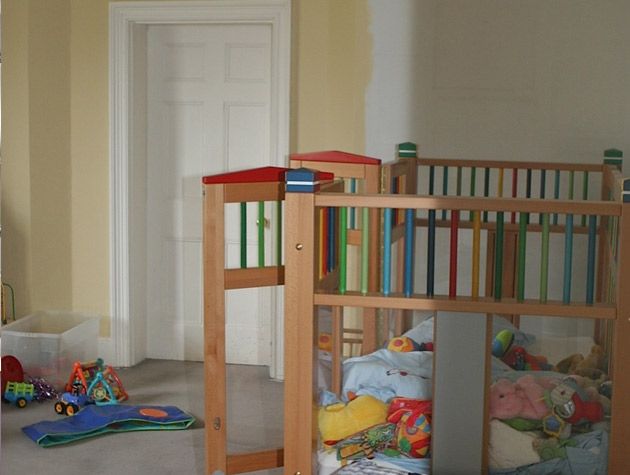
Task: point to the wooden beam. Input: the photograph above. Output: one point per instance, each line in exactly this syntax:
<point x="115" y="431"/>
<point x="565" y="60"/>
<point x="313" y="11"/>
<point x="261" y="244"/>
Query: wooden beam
<point x="467" y="304"/>
<point x="239" y="193"/>
<point x="214" y="329"/>
<point x="253" y="461"/>
<point x="599" y="208"/>
<point x="254" y="277"/>
<point x="455" y="162"/>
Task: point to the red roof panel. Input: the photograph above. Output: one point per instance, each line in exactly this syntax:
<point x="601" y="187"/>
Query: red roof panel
<point x="253" y="175"/>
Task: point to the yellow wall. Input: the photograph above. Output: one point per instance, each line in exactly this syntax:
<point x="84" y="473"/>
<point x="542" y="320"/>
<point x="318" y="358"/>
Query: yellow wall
<point x="36" y="153"/>
<point x="55" y="171"/>
<point x="331" y="65"/>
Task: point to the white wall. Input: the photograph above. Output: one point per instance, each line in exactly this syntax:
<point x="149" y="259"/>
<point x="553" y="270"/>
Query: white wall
<point x="501" y="79"/>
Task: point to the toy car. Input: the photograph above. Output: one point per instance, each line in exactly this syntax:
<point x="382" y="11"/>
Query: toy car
<point x="19" y="393"/>
<point x="69" y="404"/>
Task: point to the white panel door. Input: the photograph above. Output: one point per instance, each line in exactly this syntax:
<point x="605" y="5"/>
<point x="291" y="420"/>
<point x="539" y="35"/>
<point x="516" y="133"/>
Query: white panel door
<point x="209" y="90"/>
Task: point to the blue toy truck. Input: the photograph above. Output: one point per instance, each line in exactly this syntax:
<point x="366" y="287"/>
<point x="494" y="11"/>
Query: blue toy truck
<point x="19" y="394"/>
<point x="69" y="403"/>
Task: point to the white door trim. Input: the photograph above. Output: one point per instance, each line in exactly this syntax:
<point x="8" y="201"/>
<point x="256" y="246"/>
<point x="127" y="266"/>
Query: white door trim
<point x="123" y="17"/>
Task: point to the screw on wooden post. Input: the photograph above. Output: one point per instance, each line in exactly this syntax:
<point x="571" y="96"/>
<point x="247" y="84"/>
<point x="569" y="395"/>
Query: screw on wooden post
<point x="216" y="424"/>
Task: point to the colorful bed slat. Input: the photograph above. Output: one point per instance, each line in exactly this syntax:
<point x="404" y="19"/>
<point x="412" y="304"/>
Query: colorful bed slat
<point x="556" y="192"/>
<point x="590" y="260"/>
<point x="452" y="275"/>
<point x="544" y="257"/>
<point x="261" y="234"/>
<point x="476" y="251"/>
<point x="444" y="187"/>
<point x="243" y="235"/>
<point x="353" y="189"/>
<point x="365" y="249"/>
<point x="543" y="185"/>
<point x="387" y="250"/>
<point x="514" y="191"/>
<point x="331" y="238"/>
<point x="323" y="242"/>
<point x="409" y="261"/>
<point x="431" y="254"/>
<point x="584" y="193"/>
<point x="568" y="259"/>
<point x="522" y="248"/>
<point x="343" y="249"/>
<point x="473" y="185"/>
<point x="486" y="190"/>
<point x="498" y="257"/>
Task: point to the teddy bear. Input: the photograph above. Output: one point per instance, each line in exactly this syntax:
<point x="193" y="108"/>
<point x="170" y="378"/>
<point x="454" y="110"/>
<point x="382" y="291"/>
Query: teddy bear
<point x="590" y="366"/>
<point x="524" y="398"/>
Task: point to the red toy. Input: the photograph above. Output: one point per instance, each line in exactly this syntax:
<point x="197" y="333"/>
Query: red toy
<point x="572" y="406"/>
<point x="518" y="358"/>
<point x="413" y="425"/>
<point x="11" y="371"/>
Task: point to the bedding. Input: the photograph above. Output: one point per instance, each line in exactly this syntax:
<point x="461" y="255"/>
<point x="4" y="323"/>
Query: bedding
<point x="385" y="373"/>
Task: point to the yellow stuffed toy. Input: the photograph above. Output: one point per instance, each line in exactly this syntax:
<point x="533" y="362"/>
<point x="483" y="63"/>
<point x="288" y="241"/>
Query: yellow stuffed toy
<point x="338" y="421"/>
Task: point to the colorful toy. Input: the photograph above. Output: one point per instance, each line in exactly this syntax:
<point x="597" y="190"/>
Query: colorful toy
<point x="69" y="403"/>
<point x="525" y="398"/>
<point x="366" y="442"/>
<point x="98" y="380"/>
<point x="516" y="356"/>
<point x="413" y="426"/>
<point x="570" y="403"/>
<point x="338" y="421"/>
<point x="19" y="393"/>
<point x="502" y="342"/>
<point x="402" y="344"/>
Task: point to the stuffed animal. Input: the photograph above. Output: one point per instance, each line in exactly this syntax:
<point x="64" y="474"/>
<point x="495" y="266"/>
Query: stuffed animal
<point x="591" y="366"/>
<point x="338" y="421"/>
<point x="591" y="391"/>
<point x="571" y="404"/>
<point x="524" y="398"/>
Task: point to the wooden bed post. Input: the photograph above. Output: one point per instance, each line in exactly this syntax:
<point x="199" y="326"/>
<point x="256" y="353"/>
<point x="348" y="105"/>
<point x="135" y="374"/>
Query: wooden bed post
<point x="619" y="455"/>
<point x="300" y="330"/>
<point x="214" y="328"/>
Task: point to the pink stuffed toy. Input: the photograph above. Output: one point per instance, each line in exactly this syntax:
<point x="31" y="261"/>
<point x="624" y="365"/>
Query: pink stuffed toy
<point x="525" y="399"/>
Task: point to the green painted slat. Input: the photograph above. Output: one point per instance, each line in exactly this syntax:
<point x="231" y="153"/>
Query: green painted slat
<point x="243" y="235"/>
<point x="261" y="234"/>
<point x="498" y="257"/>
<point x="544" y="258"/>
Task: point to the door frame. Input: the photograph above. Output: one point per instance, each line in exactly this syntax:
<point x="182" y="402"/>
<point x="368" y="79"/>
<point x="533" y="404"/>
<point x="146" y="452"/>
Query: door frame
<point x="125" y="344"/>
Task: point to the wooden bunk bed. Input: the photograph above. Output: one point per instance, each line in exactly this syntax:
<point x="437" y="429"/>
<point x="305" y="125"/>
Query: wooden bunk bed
<point x="387" y="197"/>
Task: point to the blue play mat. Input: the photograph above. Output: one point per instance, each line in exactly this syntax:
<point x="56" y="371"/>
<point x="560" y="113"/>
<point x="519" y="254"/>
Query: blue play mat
<point x="97" y="420"/>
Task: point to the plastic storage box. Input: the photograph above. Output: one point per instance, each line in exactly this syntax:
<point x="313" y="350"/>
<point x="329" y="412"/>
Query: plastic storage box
<point x="48" y="343"/>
